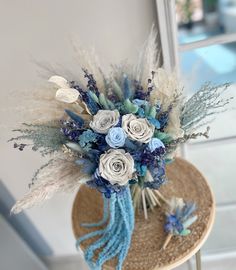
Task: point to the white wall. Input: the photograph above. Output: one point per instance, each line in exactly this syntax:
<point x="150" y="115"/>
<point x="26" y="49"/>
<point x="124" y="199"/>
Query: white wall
<point x="41" y="30"/>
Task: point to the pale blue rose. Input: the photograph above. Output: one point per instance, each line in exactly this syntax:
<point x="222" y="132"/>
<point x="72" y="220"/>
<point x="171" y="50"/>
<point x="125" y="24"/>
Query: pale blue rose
<point x="155" y="143"/>
<point x="116" y="137"/>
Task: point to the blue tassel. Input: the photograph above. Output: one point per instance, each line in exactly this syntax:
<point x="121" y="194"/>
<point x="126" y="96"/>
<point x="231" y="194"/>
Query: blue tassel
<point x="127" y="90"/>
<point x="75" y="117"/>
<point x="115" y="238"/>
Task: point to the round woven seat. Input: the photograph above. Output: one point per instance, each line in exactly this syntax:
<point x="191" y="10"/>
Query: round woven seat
<point x="145" y="252"/>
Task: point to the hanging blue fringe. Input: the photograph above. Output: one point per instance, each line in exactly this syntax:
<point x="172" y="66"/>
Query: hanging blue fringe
<point x="115" y="238"/>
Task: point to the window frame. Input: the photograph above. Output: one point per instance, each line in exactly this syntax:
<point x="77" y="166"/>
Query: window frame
<point x="171" y="49"/>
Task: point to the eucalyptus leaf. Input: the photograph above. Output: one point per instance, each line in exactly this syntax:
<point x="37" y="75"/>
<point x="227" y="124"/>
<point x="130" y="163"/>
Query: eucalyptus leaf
<point x="130" y="107"/>
<point x="164" y="137"/>
<point x="185" y="232"/>
<point x="103" y="101"/>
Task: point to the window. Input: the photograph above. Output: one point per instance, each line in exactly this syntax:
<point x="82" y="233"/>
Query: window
<point x="199" y="39"/>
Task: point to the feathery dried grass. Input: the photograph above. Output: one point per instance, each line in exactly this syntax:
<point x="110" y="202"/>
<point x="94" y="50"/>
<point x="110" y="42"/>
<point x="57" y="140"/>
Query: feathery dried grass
<point x="61" y="175"/>
<point x="149" y="58"/>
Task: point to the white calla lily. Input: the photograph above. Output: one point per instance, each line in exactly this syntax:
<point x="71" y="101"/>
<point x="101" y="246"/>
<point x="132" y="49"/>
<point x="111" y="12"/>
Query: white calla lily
<point x="67" y="95"/>
<point x="59" y="81"/>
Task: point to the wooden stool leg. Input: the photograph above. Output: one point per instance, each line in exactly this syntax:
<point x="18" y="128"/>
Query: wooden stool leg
<point x="198" y="260"/>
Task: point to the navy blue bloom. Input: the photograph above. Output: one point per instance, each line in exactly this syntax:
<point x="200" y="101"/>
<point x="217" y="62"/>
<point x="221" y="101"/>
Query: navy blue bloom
<point x="104" y="186"/>
<point x="172" y="224"/>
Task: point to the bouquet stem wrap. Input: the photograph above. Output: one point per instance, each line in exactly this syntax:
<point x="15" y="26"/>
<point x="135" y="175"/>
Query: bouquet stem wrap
<point x="114" y="240"/>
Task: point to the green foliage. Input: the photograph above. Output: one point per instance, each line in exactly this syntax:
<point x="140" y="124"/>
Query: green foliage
<point x="130" y="107"/>
<point x="164" y="137"/>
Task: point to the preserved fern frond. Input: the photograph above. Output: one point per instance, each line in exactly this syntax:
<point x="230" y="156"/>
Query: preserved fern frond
<point x="46" y="138"/>
<point x="205" y="103"/>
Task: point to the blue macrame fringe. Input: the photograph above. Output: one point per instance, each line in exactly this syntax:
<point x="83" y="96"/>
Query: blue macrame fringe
<point x="115" y="238"/>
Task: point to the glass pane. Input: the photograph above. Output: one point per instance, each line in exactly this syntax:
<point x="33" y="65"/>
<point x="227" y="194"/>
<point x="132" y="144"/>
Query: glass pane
<point x="216" y="64"/>
<point x="201" y="19"/>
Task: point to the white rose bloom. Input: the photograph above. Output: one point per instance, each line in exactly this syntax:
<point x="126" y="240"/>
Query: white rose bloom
<point x="116" y="166"/>
<point x="104" y="120"/>
<point x="137" y="129"/>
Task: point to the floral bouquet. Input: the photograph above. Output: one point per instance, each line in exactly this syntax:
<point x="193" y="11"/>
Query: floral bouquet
<point x="117" y="134"/>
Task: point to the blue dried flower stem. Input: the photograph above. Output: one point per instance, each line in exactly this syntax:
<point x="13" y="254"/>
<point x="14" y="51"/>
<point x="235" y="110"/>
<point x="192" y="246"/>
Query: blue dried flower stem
<point x="116" y="236"/>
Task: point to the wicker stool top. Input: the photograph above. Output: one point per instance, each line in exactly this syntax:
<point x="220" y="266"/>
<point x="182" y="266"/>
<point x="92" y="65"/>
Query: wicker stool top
<point x="145" y="253"/>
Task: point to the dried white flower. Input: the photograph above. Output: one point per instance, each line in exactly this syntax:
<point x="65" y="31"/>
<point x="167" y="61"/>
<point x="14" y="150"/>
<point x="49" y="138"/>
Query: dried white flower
<point x="104" y="120"/>
<point x="116" y="166"/>
<point x="59" y="81"/>
<point x="137" y="129"/>
<point x="166" y="85"/>
<point x="64" y="93"/>
<point x="67" y="95"/>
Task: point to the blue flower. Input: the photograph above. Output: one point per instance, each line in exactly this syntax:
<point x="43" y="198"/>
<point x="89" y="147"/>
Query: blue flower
<point x="116" y="137"/>
<point x="87" y="138"/>
<point x="155" y="143"/>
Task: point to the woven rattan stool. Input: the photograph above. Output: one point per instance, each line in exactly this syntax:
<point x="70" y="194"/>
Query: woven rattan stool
<point x="145" y="253"/>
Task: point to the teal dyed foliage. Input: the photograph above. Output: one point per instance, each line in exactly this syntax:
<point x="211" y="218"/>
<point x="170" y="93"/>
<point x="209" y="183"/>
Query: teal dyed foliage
<point x="46" y="138"/>
<point x="154" y="122"/>
<point x="87" y="138"/>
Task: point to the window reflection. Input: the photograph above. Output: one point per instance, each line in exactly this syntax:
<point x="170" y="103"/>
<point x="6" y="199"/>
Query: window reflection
<point x="216" y="63"/>
<point x="201" y="19"/>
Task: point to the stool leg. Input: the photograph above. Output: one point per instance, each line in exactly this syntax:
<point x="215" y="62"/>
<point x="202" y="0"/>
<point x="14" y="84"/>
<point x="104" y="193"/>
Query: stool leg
<point x="198" y="260"/>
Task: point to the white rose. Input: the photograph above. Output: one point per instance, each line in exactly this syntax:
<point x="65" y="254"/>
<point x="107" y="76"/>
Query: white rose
<point x="116" y="166"/>
<point x="137" y="129"/>
<point x="104" y="120"/>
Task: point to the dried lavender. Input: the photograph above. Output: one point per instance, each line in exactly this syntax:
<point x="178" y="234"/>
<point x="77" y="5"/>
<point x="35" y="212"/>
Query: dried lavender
<point x="92" y="85"/>
<point x="163" y="117"/>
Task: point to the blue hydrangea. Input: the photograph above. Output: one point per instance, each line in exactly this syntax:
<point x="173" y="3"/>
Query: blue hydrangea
<point x="87" y="138"/>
